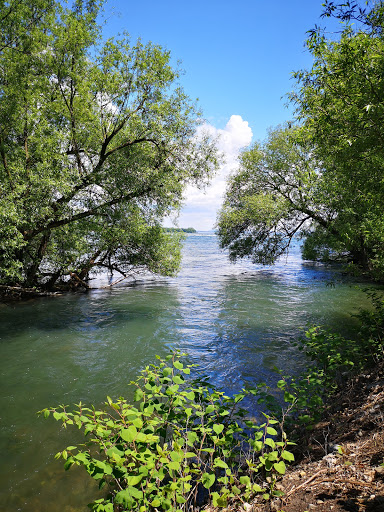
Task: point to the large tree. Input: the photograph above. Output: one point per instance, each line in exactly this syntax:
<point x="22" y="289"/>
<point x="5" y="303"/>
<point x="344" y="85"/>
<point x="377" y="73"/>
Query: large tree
<point x="97" y="143"/>
<point x="277" y="192"/>
<point x="340" y="109"/>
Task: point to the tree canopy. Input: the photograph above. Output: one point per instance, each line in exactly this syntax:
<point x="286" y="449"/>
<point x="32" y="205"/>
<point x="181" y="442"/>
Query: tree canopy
<point x="323" y="177"/>
<point x="97" y="143"/>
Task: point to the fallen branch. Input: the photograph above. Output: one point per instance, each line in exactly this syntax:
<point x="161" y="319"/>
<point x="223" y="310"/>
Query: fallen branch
<point x="294" y="489"/>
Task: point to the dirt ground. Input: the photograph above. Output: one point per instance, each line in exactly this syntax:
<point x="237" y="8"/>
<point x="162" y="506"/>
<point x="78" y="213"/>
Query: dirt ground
<point x="340" y="468"/>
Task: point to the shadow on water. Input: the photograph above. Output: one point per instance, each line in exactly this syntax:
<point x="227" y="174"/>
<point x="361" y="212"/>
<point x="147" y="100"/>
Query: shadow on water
<point x="235" y="321"/>
<point x="65" y="350"/>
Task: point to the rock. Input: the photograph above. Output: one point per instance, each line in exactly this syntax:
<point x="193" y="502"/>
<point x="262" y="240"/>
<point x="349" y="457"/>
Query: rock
<point x="247" y="507"/>
<point x="275" y="506"/>
<point x="330" y="459"/>
<point x="379" y="471"/>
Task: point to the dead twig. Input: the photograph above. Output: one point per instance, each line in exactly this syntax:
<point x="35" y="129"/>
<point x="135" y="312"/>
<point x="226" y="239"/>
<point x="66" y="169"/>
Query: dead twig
<point x="294" y="489"/>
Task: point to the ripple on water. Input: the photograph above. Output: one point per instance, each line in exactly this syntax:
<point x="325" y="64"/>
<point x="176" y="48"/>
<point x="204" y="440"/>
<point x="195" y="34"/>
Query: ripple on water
<point x="235" y="321"/>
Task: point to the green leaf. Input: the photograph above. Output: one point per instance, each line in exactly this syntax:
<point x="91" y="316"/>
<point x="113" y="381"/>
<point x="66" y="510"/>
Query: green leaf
<point x="171" y="390"/>
<point x="178" y="365"/>
<point x="287" y="455"/>
<point x="218" y="428"/>
<point x="215" y="496"/>
<point x="245" y="480"/>
<point x="208" y="479"/>
<point x="138" y="395"/>
<point x="135" y="479"/>
<point x="288" y="397"/>
<point x="68" y="463"/>
<point x="127" y="496"/>
<point x="137" y="422"/>
<point x="270" y="442"/>
<point x="129" y="434"/>
<point x="176" y="456"/>
<point x="271" y="431"/>
<point x="192" y="437"/>
<point x="280" y="467"/>
<point x="220" y="464"/>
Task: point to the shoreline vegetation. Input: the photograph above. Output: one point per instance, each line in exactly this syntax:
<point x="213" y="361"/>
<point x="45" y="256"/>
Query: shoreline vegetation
<point x="180" y="230"/>
<point x="185" y="445"/>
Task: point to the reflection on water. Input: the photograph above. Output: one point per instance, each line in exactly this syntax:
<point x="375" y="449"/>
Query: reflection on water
<point x="236" y="321"/>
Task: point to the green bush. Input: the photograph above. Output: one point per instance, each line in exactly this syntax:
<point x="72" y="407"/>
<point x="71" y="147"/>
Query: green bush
<point x="333" y="359"/>
<point x="183" y="444"/>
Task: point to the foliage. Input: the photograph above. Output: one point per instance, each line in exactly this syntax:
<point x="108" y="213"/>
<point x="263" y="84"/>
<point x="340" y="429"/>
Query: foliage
<point x="323" y="177"/>
<point x="275" y="193"/>
<point x="340" y="102"/>
<point x="334" y="359"/>
<point x="179" y="230"/>
<point x="184" y="442"/>
<point x="97" y="142"/>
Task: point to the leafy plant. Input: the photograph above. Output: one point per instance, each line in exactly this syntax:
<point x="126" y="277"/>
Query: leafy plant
<point x="183" y="443"/>
<point x="332" y="360"/>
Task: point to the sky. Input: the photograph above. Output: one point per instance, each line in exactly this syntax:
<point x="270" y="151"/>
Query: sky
<point x="238" y="58"/>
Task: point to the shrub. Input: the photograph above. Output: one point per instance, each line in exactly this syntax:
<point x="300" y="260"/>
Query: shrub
<point x="182" y="444"/>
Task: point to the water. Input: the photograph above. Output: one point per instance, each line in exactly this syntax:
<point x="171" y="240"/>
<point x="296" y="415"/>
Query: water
<point x="236" y="321"/>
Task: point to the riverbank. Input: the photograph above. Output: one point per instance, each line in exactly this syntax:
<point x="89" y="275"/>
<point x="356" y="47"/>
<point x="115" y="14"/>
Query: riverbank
<point x="12" y="293"/>
<point x="339" y="465"/>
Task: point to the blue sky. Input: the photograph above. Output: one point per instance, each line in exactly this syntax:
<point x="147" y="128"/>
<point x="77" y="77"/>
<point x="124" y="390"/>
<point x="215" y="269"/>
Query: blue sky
<point x="238" y="58"/>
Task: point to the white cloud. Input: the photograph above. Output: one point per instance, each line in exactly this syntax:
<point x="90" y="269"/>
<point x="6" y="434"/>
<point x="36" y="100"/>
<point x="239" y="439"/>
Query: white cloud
<point x="201" y="205"/>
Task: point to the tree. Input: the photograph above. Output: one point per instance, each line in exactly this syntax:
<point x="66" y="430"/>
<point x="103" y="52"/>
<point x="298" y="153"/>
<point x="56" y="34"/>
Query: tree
<point x="340" y="101"/>
<point x="97" y="142"/>
<point x="277" y="192"/>
<point x="339" y="105"/>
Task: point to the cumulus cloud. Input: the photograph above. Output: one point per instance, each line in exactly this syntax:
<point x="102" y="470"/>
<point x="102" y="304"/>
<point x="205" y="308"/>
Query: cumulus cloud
<point x="201" y="205"/>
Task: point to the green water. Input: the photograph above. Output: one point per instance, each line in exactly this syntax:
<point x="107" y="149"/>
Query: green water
<point x="237" y="322"/>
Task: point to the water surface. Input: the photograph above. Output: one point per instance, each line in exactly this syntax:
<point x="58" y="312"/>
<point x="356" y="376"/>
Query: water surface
<point x="236" y="321"/>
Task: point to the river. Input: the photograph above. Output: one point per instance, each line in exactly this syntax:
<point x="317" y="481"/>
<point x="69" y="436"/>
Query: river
<point x="236" y="321"/>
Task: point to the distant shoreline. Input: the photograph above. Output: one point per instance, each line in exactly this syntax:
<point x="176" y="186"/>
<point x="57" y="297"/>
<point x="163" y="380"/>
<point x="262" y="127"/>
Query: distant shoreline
<point x="180" y="230"/>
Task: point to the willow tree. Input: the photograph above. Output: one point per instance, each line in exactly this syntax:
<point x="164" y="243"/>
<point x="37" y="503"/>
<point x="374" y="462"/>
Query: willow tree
<point x="278" y="192"/>
<point x="97" y="143"/>
<point x="326" y="177"/>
